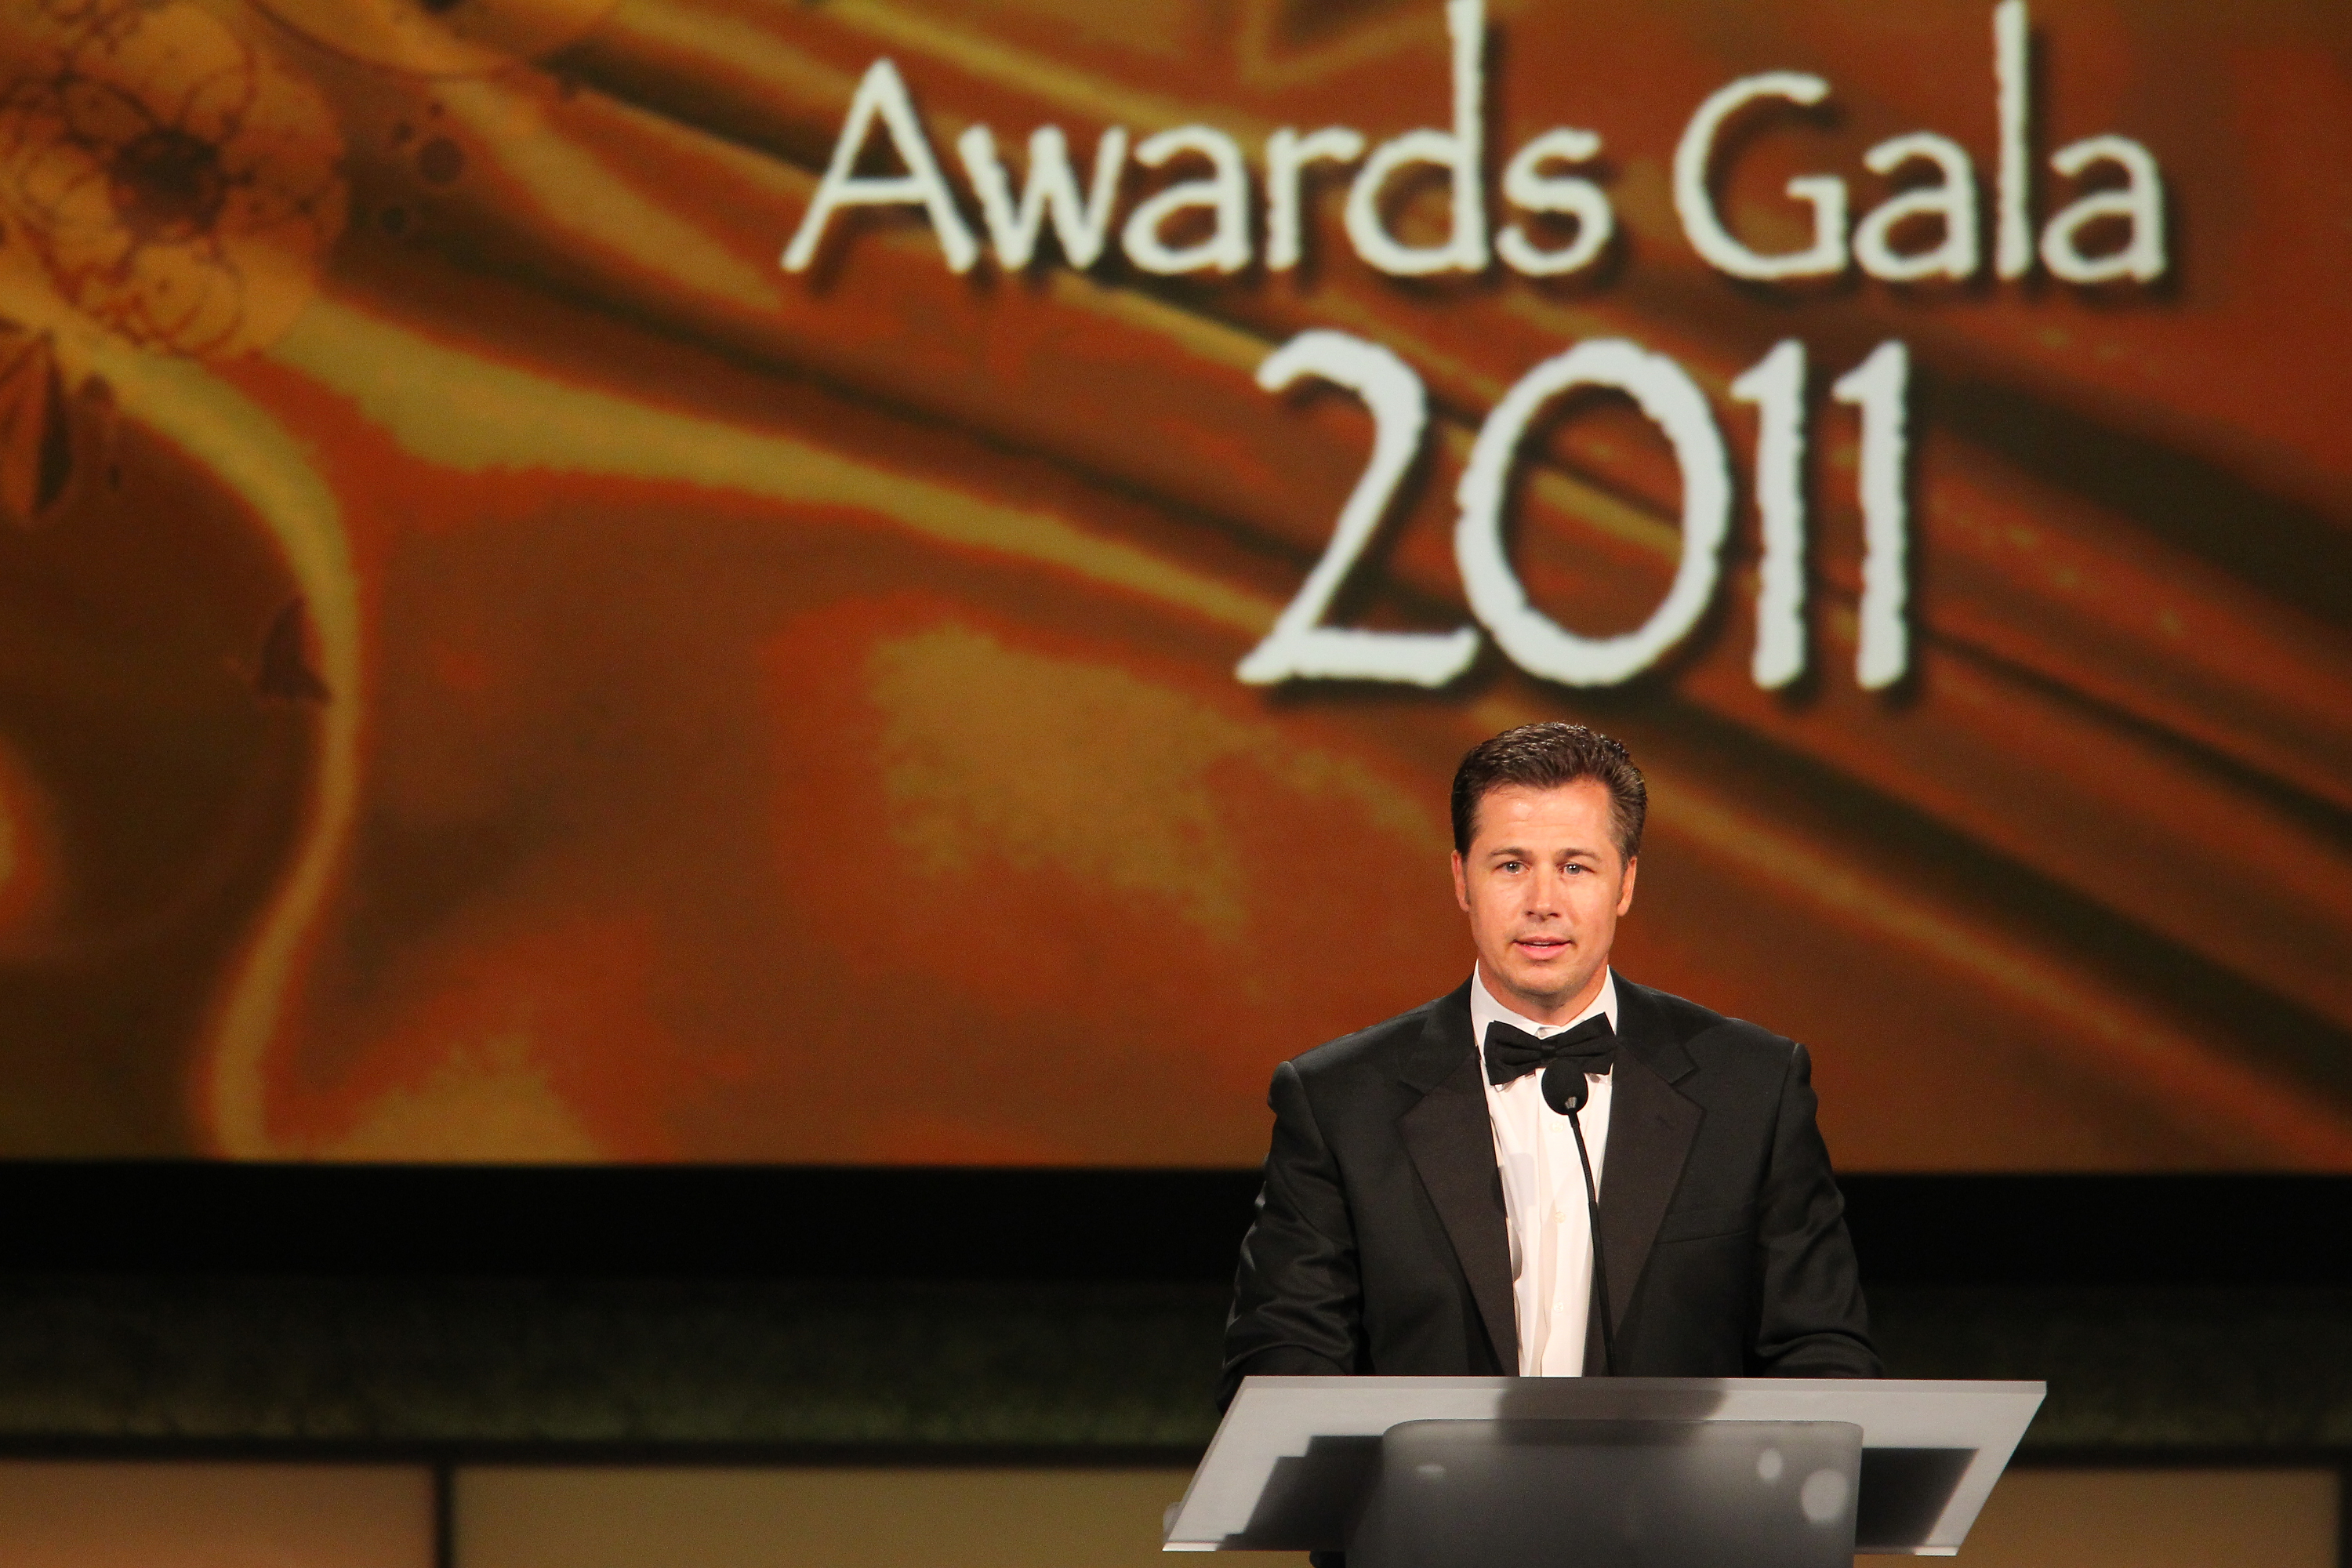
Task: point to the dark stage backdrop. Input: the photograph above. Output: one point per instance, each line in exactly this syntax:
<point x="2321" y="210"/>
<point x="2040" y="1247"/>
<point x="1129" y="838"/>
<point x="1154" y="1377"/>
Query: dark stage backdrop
<point x="568" y="594"/>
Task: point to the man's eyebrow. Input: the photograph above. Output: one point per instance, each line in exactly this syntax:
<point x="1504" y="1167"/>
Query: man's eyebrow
<point x="1515" y="852"/>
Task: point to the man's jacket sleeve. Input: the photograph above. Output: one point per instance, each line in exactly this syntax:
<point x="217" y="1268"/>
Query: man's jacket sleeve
<point x="1299" y="1297"/>
<point x="1811" y="1321"/>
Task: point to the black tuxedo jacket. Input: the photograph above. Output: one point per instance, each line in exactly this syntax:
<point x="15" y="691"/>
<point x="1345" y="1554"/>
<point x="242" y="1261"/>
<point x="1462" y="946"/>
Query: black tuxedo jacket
<point x="1380" y="1243"/>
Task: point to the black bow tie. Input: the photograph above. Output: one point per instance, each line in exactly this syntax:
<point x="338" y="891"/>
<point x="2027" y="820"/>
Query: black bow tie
<point x="1590" y="1046"/>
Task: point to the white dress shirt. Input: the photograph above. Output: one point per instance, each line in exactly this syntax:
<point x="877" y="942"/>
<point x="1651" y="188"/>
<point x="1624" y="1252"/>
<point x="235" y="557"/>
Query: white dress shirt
<point x="1543" y="1190"/>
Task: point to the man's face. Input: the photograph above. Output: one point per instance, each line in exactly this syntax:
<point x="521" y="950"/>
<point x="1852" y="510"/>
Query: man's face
<point x="1544" y="886"/>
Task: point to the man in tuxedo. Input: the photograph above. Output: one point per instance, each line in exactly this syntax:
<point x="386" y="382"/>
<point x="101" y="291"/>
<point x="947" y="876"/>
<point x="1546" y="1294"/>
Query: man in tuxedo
<point x="1425" y="1207"/>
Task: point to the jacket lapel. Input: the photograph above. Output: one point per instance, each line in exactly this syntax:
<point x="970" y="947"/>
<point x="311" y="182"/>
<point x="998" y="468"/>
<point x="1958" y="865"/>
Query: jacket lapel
<point x="1452" y="1143"/>
<point x="1651" y="1129"/>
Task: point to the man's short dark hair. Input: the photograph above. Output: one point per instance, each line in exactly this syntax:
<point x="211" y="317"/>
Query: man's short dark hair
<point x="1545" y="756"/>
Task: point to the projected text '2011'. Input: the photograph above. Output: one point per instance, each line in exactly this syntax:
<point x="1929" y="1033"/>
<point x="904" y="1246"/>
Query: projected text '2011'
<point x="1301" y="647"/>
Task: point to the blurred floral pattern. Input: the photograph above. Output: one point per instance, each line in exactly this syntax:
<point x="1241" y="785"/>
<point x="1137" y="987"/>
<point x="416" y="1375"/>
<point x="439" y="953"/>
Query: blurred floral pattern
<point x="491" y="667"/>
<point x="179" y="186"/>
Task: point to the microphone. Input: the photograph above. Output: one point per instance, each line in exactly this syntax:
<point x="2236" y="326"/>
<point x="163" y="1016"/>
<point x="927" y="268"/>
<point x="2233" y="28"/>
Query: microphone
<point x="1565" y="1091"/>
<point x="1564" y="1088"/>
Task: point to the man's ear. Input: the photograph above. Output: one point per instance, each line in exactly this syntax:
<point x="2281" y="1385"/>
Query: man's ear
<point x="1461" y="884"/>
<point x="1625" y="896"/>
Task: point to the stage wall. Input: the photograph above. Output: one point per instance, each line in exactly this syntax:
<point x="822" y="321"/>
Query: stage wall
<point x="567" y="595"/>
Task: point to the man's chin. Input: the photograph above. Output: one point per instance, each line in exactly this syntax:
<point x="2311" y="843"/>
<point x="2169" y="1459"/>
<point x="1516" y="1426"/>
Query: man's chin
<point x="1551" y="982"/>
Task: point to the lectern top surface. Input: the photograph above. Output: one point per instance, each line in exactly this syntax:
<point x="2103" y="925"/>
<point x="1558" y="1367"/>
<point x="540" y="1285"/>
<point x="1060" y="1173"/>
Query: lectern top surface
<point x="1281" y="1471"/>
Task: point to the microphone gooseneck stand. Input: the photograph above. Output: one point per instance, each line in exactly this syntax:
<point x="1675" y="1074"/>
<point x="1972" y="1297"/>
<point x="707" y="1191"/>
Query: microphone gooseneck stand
<point x="1565" y="1091"/>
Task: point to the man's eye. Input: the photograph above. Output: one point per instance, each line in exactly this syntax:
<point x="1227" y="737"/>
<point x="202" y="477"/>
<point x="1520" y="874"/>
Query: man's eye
<point x="1513" y="866"/>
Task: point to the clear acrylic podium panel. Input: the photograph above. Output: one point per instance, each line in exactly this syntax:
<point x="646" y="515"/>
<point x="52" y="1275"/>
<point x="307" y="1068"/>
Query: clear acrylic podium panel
<point x="1296" y="1458"/>
<point x="1610" y="1494"/>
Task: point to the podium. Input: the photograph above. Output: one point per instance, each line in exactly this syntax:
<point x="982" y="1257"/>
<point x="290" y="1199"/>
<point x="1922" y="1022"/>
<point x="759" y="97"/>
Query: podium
<point x="1601" y="1472"/>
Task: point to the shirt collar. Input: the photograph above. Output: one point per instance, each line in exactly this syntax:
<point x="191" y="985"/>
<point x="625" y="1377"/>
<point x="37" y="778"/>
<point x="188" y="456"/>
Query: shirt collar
<point x="1486" y="1010"/>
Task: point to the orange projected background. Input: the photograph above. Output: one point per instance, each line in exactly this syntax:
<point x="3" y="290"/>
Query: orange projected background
<point x="495" y="667"/>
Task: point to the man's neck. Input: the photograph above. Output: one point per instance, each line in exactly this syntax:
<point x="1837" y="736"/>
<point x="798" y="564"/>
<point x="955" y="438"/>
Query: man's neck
<point x="1540" y="1009"/>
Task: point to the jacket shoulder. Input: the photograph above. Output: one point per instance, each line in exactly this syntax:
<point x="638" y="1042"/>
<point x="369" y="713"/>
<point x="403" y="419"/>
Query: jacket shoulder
<point x="1712" y="1038"/>
<point x="1376" y="1048"/>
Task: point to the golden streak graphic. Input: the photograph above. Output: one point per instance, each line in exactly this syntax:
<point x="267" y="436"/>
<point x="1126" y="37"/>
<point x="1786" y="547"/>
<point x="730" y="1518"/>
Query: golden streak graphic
<point x="450" y="38"/>
<point x="258" y="461"/>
